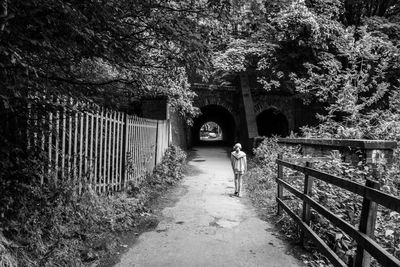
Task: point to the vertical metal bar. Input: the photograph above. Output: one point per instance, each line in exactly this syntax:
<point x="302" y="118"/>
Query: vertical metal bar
<point x="63" y="155"/>
<point x="141" y="154"/>
<point x="101" y="165"/>
<point x="91" y="139"/>
<point x="28" y="128"/>
<point x="106" y="121"/>
<point x="280" y="188"/>
<point x="96" y="145"/>
<point x="109" y="166"/>
<point x="117" y="153"/>
<point x="113" y="158"/>
<point x="69" y="144"/>
<point x="124" y="151"/>
<point x="86" y="140"/>
<point x="156" y="147"/>
<point x="50" y="169"/>
<point x="43" y="145"/>
<point x="134" y="148"/>
<point x="35" y="128"/>
<point x="57" y="145"/>
<point x="80" y="151"/>
<point x="75" y="155"/>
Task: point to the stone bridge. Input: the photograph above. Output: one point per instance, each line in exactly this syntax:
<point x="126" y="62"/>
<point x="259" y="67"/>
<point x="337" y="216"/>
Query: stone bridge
<point x="244" y="112"/>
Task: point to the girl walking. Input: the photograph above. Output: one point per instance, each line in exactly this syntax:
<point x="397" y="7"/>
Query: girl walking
<point x="239" y="166"/>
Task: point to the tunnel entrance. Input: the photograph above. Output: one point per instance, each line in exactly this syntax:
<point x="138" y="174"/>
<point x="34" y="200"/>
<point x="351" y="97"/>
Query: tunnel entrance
<point x="216" y="116"/>
<point x="272" y="122"/>
<point x="210" y="131"/>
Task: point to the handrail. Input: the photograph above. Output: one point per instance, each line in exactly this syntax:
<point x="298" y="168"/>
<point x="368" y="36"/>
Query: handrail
<point x="386" y="200"/>
<point x="363" y="236"/>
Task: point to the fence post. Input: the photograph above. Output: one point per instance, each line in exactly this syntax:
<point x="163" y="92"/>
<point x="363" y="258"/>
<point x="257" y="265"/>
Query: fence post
<point x="156" y="147"/>
<point x="367" y="226"/>
<point x="280" y="188"/>
<point x="169" y="132"/>
<point x="308" y="183"/>
<point x="124" y="148"/>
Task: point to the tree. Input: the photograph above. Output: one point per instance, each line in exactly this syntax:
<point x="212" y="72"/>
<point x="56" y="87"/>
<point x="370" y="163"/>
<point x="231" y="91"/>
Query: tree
<point x="325" y="51"/>
<point x="92" y="47"/>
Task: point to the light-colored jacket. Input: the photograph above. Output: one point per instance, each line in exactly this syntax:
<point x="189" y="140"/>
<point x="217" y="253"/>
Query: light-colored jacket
<point x="239" y="162"/>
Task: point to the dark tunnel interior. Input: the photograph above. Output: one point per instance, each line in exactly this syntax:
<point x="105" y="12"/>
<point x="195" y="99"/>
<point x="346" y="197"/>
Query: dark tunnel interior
<point x="220" y="116"/>
<point x="272" y="122"/>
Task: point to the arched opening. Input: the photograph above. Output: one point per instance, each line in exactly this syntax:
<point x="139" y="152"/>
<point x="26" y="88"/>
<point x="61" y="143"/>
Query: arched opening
<point x="210" y="131"/>
<point x="222" y="118"/>
<point x="272" y="122"/>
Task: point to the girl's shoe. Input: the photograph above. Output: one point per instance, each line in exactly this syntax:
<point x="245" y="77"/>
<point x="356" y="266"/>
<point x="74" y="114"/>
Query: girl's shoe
<point x="236" y="194"/>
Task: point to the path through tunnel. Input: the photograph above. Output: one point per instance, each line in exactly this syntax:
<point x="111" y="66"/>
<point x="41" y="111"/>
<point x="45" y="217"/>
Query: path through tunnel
<point x="272" y="122"/>
<point x="222" y="117"/>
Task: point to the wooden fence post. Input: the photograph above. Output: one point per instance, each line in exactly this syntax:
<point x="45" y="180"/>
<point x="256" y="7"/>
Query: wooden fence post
<point x="280" y="188"/>
<point x="308" y="183"/>
<point x="367" y="226"/>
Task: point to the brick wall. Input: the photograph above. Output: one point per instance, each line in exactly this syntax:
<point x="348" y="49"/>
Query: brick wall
<point x="179" y="130"/>
<point x="155" y="108"/>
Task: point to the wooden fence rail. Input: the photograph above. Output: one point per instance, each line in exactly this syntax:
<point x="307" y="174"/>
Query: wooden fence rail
<point x="364" y="236"/>
<point x="104" y="148"/>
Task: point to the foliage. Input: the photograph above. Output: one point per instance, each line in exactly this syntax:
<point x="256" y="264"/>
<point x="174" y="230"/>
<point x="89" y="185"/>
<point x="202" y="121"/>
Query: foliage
<point x="342" y="53"/>
<point x="170" y="169"/>
<point x="346" y="205"/>
<point x="52" y="225"/>
<point x="106" y="49"/>
<point x="260" y="178"/>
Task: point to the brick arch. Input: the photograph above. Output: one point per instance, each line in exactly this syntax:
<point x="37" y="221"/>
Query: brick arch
<point x="285" y="110"/>
<point x="266" y="107"/>
<point x="261" y="107"/>
<point x="206" y="101"/>
<point x="283" y="105"/>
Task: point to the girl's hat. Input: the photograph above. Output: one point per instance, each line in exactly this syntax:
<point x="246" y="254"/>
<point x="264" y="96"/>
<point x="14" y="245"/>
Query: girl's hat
<point x="237" y="145"/>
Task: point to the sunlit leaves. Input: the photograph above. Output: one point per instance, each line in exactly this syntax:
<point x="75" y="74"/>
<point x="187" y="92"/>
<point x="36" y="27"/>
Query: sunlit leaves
<point x="296" y="23"/>
<point x="92" y="48"/>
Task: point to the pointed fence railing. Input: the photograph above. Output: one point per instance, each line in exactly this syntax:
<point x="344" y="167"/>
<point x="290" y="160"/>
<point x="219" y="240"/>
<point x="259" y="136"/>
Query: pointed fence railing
<point x="104" y="148"/>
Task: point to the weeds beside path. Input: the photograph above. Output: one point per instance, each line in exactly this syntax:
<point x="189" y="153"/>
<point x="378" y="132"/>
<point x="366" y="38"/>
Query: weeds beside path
<point x="261" y="187"/>
<point x="53" y="226"/>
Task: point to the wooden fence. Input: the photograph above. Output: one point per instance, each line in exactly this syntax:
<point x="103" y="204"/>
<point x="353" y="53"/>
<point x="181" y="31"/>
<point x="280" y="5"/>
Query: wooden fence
<point x="104" y="148"/>
<point x="364" y="236"/>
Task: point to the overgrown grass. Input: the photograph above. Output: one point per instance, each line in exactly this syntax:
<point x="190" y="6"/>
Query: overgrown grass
<point x="262" y="189"/>
<point x="54" y="226"/>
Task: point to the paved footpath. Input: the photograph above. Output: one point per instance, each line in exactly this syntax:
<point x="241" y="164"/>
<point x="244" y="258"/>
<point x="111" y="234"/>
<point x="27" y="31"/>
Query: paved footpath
<point x="209" y="227"/>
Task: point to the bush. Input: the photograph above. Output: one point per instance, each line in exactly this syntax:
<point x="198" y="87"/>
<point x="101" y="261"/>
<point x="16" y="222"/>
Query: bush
<point x="54" y="226"/>
<point x="171" y="168"/>
<point x="167" y="173"/>
<point x="260" y="179"/>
